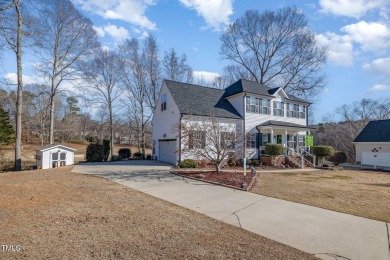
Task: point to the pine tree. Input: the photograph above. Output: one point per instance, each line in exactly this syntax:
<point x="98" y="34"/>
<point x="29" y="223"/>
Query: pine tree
<point x="6" y="130"/>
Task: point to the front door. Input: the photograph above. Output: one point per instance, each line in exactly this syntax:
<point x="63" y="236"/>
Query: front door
<point x="279" y="139"/>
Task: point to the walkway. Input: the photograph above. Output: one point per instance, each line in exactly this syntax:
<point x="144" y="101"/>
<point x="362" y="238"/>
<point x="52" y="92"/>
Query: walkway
<point x="323" y="233"/>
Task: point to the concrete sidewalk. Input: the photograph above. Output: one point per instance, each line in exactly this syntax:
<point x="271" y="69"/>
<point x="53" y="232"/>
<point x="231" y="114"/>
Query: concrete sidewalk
<point x="323" y="233"/>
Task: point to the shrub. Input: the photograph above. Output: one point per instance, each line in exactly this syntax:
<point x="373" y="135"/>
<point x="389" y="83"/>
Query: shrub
<point x="94" y="153"/>
<point x="106" y="149"/>
<point x="274" y="149"/>
<point x="322" y="151"/>
<point x="338" y="157"/>
<point x="255" y="163"/>
<point x="188" y="163"/>
<point x="232" y="161"/>
<point x="124" y="153"/>
<point x="148" y="157"/>
<point x="138" y="156"/>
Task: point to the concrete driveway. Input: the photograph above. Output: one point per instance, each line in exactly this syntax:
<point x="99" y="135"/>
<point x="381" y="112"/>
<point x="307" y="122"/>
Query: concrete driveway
<point x="121" y="166"/>
<point x="323" y="233"/>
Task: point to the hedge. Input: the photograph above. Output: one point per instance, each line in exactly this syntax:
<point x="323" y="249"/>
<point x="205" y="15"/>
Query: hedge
<point x="322" y="150"/>
<point x="188" y="163"/>
<point x="124" y="153"/>
<point x="138" y="156"/>
<point x="94" y="153"/>
<point x="274" y="149"/>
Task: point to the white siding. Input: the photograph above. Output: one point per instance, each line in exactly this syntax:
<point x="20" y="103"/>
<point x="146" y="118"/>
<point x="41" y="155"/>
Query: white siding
<point x="46" y="157"/>
<point x="165" y="122"/>
<point x="238" y="103"/>
<point x="368" y="147"/>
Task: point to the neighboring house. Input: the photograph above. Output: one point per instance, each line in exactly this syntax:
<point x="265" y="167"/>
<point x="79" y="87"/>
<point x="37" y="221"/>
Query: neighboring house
<point x="263" y="115"/>
<point x="373" y="144"/>
<point x="54" y="155"/>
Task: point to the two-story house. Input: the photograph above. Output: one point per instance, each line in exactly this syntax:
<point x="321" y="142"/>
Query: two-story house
<point x="263" y="115"/>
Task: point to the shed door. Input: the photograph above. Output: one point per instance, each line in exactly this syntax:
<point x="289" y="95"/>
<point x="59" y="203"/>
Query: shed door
<point x="167" y="151"/>
<point x="382" y="159"/>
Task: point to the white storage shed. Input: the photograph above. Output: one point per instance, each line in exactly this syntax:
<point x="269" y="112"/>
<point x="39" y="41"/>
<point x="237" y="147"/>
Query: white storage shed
<point x="54" y="155"/>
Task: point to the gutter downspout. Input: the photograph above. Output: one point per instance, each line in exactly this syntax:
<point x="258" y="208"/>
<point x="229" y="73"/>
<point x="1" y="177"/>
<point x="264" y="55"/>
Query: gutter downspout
<point x="181" y="116"/>
<point x="244" y="130"/>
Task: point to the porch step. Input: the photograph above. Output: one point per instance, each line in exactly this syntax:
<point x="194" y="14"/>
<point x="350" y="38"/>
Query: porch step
<point x="295" y="162"/>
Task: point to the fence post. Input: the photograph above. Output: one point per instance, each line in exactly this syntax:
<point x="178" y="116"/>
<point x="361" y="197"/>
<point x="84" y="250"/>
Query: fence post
<point x="314" y="161"/>
<point x="302" y="162"/>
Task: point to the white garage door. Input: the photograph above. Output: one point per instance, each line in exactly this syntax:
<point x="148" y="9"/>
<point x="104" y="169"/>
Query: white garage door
<point x="382" y="159"/>
<point x="168" y="151"/>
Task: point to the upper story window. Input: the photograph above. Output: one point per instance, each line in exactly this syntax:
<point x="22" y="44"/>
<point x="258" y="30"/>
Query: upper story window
<point x="297" y="111"/>
<point x="164" y="102"/>
<point x="278" y="108"/>
<point x="257" y="105"/>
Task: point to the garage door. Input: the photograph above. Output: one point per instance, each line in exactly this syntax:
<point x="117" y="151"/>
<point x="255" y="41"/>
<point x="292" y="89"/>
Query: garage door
<point x="382" y="159"/>
<point x="167" y="151"/>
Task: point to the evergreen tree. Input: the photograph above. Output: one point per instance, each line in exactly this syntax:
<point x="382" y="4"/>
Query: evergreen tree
<point x="6" y="130"/>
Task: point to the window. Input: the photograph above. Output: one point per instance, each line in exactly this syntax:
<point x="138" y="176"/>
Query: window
<point x="265" y="106"/>
<point x="62" y="156"/>
<point x="302" y="111"/>
<point x="251" y="140"/>
<point x="197" y="140"/>
<point x="54" y="156"/>
<point x="227" y="140"/>
<point x="257" y="105"/>
<point x="164" y="102"/>
<point x="278" y="108"/>
<point x="264" y="139"/>
<point x="301" y="140"/>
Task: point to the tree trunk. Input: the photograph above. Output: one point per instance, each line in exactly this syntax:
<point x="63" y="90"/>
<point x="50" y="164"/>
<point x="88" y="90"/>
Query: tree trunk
<point x="111" y="132"/>
<point x="19" y="99"/>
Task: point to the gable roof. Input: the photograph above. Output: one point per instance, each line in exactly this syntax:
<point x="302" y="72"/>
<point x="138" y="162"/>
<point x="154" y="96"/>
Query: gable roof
<point x="256" y="88"/>
<point x="375" y="131"/>
<point x="51" y="146"/>
<point x="203" y="101"/>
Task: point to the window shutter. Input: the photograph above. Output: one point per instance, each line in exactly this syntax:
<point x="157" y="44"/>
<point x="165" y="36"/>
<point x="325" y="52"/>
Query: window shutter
<point x="258" y="140"/>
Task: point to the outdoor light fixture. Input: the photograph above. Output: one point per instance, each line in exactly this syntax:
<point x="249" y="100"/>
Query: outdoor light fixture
<point x="375" y="155"/>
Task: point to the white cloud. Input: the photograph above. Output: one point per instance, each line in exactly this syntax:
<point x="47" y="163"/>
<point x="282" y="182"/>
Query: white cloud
<point x="205" y="76"/>
<point x="379" y="88"/>
<point x="356" y="8"/>
<point x="132" y="11"/>
<point x="371" y="36"/>
<point x="118" y="33"/>
<point x="99" y="31"/>
<point x="215" y="12"/>
<point x="379" y="67"/>
<point x="12" y="78"/>
<point x="340" y="48"/>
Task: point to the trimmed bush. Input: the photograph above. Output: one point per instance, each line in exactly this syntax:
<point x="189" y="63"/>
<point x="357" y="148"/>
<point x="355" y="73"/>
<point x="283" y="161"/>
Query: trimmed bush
<point x="148" y="157"/>
<point x="274" y="149"/>
<point x="106" y="149"/>
<point x="255" y="163"/>
<point x="138" y="156"/>
<point x="94" y="153"/>
<point x="124" y="153"/>
<point x="188" y="163"/>
<point x="322" y="150"/>
<point x="338" y="157"/>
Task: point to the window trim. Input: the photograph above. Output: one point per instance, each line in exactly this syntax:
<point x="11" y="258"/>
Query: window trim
<point x="164" y="102"/>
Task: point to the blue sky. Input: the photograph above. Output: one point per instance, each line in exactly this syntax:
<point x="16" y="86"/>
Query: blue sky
<point x="356" y="31"/>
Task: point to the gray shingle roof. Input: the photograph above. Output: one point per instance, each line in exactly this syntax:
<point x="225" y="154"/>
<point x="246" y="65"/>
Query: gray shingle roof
<point x="204" y="101"/>
<point x="280" y="123"/>
<point x="375" y="131"/>
<point x="256" y="88"/>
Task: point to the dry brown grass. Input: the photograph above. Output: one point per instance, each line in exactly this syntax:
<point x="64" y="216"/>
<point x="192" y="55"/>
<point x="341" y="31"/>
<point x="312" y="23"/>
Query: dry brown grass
<point x="360" y="193"/>
<point x="56" y="214"/>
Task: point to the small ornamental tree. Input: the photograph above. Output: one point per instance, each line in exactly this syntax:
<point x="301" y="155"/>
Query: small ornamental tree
<point x="322" y="151"/>
<point x="212" y="139"/>
<point x="6" y="130"/>
<point x="94" y="153"/>
<point x="274" y="150"/>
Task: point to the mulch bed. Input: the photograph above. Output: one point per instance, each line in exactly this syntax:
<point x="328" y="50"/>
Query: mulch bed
<point x="232" y="179"/>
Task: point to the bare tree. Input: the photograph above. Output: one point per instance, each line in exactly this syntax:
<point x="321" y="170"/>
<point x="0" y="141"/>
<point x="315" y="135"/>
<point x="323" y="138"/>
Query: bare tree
<point x="276" y="49"/>
<point x="11" y="22"/>
<point x="212" y="139"/>
<point x="66" y="37"/>
<point x="134" y="77"/>
<point x="176" y="68"/>
<point x="103" y="87"/>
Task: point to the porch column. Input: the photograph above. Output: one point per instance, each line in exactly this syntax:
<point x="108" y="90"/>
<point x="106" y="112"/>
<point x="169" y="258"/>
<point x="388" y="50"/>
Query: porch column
<point x="272" y="135"/>
<point x="285" y="139"/>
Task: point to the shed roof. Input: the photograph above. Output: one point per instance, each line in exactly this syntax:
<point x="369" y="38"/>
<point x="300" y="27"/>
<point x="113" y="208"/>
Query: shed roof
<point x="375" y="132"/>
<point x="53" y="146"/>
